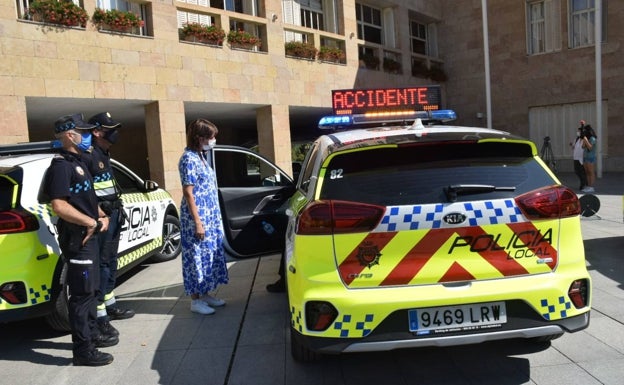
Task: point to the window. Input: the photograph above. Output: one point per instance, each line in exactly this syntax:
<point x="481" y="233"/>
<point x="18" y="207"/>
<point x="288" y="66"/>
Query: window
<point x="249" y="7"/>
<point x="241" y="169"/>
<point x="127" y="6"/>
<point x="418" y="37"/>
<point x="423" y="35"/>
<point x="190" y="17"/>
<point x="419" y="174"/>
<point x="582" y="22"/>
<point x="311" y="18"/>
<point x="543" y="26"/>
<point x="368" y="23"/>
<point x="316" y="14"/>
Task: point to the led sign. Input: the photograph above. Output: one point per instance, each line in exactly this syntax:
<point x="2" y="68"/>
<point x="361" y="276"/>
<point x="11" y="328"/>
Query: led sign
<point x="353" y="102"/>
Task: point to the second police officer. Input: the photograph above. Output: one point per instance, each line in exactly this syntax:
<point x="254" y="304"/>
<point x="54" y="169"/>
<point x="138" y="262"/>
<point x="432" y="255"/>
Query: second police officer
<point x="108" y="192"/>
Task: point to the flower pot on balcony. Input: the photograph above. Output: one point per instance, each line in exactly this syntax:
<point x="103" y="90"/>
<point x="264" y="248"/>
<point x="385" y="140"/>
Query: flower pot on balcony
<point x="64" y="13"/>
<point x="117" y="21"/>
<point x="331" y="54"/>
<point x="116" y="28"/>
<point x="243" y="40"/>
<point x="246" y="46"/>
<point x="300" y="50"/>
<point x="204" y="34"/>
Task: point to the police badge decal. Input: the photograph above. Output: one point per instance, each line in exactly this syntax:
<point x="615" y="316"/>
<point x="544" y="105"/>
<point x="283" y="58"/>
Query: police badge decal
<point x="368" y="254"/>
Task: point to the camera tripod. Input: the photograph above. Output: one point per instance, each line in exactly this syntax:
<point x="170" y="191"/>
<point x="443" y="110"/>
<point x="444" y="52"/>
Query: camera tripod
<point x="547" y="156"/>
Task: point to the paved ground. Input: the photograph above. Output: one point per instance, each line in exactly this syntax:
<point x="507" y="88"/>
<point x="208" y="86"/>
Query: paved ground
<point x="247" y="341"/>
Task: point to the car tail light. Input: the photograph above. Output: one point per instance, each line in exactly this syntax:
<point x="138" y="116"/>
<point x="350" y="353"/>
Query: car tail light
<point x="13" y="292"/>
<point x="549" y="202"/>
<point x="17" y="221"/>
<point x="333" y="217"/>
<point x="579" y="293"/>
<point x="319" y="315"/>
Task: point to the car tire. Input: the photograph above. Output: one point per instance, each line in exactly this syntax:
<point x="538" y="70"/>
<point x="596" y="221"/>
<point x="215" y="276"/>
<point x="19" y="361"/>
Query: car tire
<point x="301" y="353"/>
<point x="172" y="244"/>
<point x="58" y="318"/>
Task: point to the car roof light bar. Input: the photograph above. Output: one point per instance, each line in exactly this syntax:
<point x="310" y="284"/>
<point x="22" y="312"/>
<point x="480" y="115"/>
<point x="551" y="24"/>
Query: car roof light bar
<point x="31" y="147"/>
<point x="333" y="122"/>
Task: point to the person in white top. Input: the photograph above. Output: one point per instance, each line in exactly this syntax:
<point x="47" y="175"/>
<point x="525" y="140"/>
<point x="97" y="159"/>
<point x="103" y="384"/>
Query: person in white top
<point x="577" y="156"/>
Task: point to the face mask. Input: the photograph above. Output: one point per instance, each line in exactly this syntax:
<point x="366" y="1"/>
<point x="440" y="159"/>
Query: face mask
<point x="111" y="136"/>
<point x="211" y="144"/>
<point x="85" y="143"/>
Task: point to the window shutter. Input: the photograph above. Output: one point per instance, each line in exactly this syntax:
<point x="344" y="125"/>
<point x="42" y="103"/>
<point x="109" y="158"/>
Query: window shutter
<point x="552" y="21"/>
<point x="205" y="20"/>
<point x="432" y="40"/>
<point x="329" y="13"/>
<point x="182" y="19"/>
<point x="388" y="27"/>
<point x="292" y="12"/>
<point x="192" y="18"/>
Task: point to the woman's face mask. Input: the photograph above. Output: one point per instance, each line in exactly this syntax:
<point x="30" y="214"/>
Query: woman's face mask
<point x="211" y="144"/>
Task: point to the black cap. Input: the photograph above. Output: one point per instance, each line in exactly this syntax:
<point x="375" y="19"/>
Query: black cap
<point x="71" y="122"/>
<point x="104" y="120"/>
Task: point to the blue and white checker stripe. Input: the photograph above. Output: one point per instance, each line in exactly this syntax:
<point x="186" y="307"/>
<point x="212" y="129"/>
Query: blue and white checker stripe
<point x="429" y="216"/>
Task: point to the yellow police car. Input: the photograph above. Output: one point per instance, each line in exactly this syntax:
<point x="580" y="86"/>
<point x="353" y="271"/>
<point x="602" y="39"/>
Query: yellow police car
<point x="407" y="232"/>
<point x="32" y="276"/>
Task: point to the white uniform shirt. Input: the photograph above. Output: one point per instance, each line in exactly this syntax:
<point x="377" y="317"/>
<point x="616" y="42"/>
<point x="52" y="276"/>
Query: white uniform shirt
<point x="578" y="150"/>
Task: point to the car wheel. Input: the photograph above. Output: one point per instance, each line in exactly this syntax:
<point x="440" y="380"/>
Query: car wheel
<point x="172" y="245"/>
<point x="301" y="353"/>
<point x="58" y="319"/>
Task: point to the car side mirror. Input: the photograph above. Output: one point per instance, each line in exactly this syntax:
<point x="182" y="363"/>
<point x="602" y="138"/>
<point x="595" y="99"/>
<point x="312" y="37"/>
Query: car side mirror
<point x="150" y="185"/>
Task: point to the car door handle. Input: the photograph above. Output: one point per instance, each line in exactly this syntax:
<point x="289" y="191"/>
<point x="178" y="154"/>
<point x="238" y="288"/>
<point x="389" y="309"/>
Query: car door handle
<point x="262" y="203"/>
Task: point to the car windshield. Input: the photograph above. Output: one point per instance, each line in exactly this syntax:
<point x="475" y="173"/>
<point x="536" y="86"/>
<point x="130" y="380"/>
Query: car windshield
<point x="425" y="173"/>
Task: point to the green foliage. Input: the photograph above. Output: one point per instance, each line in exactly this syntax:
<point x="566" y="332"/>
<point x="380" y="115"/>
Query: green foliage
<point x="63" y="12"/>
<point x="370" y="61"/>
<point x="391" y="65"/>
<point x="301" y="49"/>
<point x="240" y="37"/>
<point x="329" y="53"/>
<point x="203" y="33"/>
<point x="116" y="20"/>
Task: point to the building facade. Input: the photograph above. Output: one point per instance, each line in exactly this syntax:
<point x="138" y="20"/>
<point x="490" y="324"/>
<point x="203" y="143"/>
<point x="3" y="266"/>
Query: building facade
<point x="264" y="87"/>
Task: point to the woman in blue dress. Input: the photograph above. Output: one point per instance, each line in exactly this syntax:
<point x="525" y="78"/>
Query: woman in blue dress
<point x="203" y="259"/>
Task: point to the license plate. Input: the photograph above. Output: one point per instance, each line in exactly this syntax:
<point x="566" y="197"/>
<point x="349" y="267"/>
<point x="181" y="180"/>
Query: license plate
<point x="457" y="318"/>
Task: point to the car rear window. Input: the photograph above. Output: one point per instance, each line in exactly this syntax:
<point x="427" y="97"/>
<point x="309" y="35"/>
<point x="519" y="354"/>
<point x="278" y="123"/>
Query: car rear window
<point x="419" y="173"/>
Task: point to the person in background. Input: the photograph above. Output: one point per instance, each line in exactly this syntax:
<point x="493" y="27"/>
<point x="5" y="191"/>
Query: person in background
<point x="577" y="156"/>
<point x="108" y="192"/>
<point x="203" y="257"/>
<point x="589" y="157"/>
<point x="69" y="186"/>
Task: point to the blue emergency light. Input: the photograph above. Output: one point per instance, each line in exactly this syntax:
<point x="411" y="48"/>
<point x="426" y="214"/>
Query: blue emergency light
<point x="333" y="122"/>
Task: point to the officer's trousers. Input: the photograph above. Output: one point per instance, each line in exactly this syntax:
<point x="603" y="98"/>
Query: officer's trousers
<point x="82" y="280"/>
<point x="108" y="245"/>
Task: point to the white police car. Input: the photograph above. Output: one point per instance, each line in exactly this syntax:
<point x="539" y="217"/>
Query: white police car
<point x="32" y="276"/>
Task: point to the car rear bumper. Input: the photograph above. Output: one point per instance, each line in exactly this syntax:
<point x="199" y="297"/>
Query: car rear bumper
<point x="383" y="340"/>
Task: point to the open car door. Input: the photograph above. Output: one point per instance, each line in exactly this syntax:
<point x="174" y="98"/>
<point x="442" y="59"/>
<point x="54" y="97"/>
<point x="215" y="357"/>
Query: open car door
<point x="252" y="193"/>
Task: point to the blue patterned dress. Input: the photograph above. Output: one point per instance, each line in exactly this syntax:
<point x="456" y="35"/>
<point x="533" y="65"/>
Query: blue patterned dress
<point x="203" y="261"/>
